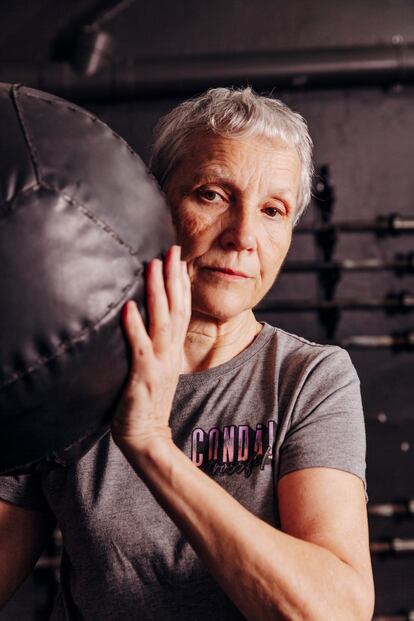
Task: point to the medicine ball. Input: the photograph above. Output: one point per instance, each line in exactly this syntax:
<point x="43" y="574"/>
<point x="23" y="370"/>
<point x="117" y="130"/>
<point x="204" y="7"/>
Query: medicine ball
<point x="79" y="218"/>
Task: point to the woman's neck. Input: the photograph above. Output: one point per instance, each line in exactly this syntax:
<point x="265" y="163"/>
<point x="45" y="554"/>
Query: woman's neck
<point x="209" y="343"/>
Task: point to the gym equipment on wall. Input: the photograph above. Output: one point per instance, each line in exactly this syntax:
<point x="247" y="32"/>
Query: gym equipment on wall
<point x="397" y="341"/>
<point x="328" y="307"/>
<point x="390" y="224"/>
<point x="400" y="302"/>
<point x="392" y="509"/>
<point x="408" y="616"/>
<point x="392" y="546"/>
<point x="403" y="263"/>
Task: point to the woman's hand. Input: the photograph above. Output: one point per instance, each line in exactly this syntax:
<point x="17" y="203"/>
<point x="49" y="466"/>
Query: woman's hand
<point x="156" y="358"/>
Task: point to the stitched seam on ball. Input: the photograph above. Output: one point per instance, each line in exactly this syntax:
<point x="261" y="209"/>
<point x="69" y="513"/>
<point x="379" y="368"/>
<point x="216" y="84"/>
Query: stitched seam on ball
<point x="60" y="349"/>
<point x="103" y="225"/>
<point x="26" y="133"/>
<point x="60" y="103"/>
<point x="100" y="223"/>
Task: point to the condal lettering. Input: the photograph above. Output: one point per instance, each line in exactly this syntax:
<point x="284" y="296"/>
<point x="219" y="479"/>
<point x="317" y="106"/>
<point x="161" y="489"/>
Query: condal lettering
<point x="213" y="443"/>
<point x="243" y="442"/>
<point x="235" y="449"/>
<point x="228" y="443"/>
<point x="197" y="455"/>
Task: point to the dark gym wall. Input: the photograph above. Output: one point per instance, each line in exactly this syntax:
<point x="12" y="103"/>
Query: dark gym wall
<point x="28" y="29"/>
<point x="364" y="134"/>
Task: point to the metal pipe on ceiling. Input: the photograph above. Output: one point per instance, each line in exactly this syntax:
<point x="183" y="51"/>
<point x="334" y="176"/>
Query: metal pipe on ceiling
<point x="294" y="70"/>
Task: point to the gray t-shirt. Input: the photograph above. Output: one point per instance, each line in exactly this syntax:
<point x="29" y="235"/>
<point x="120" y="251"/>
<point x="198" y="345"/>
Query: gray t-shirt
<point x="282" y="404"/>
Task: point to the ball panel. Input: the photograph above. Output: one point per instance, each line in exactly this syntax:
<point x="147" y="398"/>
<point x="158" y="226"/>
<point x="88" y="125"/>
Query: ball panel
<point x="66" y="404"/>
<point x="72" y="251"/>
<point x="13" y="179"/>
<point x="62" y="274"/>
<point x="106" y="175"/>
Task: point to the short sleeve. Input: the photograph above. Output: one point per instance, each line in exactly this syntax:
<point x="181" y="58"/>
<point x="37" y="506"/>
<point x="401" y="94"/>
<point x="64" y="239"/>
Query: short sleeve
<point x="327" y="423"/>
<point x="24" y="490"/>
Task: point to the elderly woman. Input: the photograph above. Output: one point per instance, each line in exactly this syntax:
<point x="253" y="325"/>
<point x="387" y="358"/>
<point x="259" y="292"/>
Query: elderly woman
<point x="232" y="483"/>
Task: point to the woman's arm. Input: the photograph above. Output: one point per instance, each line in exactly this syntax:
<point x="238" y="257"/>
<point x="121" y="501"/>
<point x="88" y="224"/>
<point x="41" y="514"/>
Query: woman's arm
<point x="319" y="568"/>
<point x="320" y="571"/>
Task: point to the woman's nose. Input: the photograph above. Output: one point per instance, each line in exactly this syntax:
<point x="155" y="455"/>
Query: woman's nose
<point x="239" y="232"/>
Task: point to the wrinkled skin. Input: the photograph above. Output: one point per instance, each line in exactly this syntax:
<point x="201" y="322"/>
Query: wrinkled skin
<point x="233" y="202"/>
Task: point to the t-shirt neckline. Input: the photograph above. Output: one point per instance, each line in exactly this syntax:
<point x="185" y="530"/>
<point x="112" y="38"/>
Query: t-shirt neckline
<point x="237" y="361"/>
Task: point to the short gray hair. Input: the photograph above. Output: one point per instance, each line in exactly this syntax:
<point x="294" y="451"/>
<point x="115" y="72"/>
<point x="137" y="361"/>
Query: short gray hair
<point x="232" y="112"/>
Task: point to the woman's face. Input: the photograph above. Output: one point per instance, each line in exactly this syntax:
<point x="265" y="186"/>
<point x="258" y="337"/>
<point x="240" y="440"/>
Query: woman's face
<point x="233" y="203"/>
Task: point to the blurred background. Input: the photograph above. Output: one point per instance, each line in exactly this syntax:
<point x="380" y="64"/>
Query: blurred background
<point x="348" y="68"/>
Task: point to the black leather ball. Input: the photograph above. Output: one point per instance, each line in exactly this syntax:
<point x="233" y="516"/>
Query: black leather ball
<point x="79" y="218"/>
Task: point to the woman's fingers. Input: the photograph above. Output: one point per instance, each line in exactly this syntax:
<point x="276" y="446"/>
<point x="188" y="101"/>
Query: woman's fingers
<point x="169" y="308"/>
<point x="168" y="301"/>
<point x="158" y="307"/>
<point x="157" y="354"/>
<point x="174" y="280"/>
<point x="133" y="323"/>
<point x="137" y="336"/>
<point x="187" y="293"/>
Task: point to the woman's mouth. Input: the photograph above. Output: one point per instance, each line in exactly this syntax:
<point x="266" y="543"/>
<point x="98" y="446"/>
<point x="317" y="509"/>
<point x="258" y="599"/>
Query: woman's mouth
<point x="227" y="272"/>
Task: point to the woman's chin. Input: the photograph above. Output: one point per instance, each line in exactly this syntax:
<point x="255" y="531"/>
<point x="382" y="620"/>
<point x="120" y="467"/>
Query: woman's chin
<point x="220" y="309"/>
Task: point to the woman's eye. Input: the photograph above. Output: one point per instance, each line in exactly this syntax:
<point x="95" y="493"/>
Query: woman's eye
<point x="209" y="195"/>
<point x="273" y="212"/>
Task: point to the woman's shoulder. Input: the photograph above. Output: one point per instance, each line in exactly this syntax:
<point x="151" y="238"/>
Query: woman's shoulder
<point x="296" y="341"/>
<point x="290" y="348"/>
